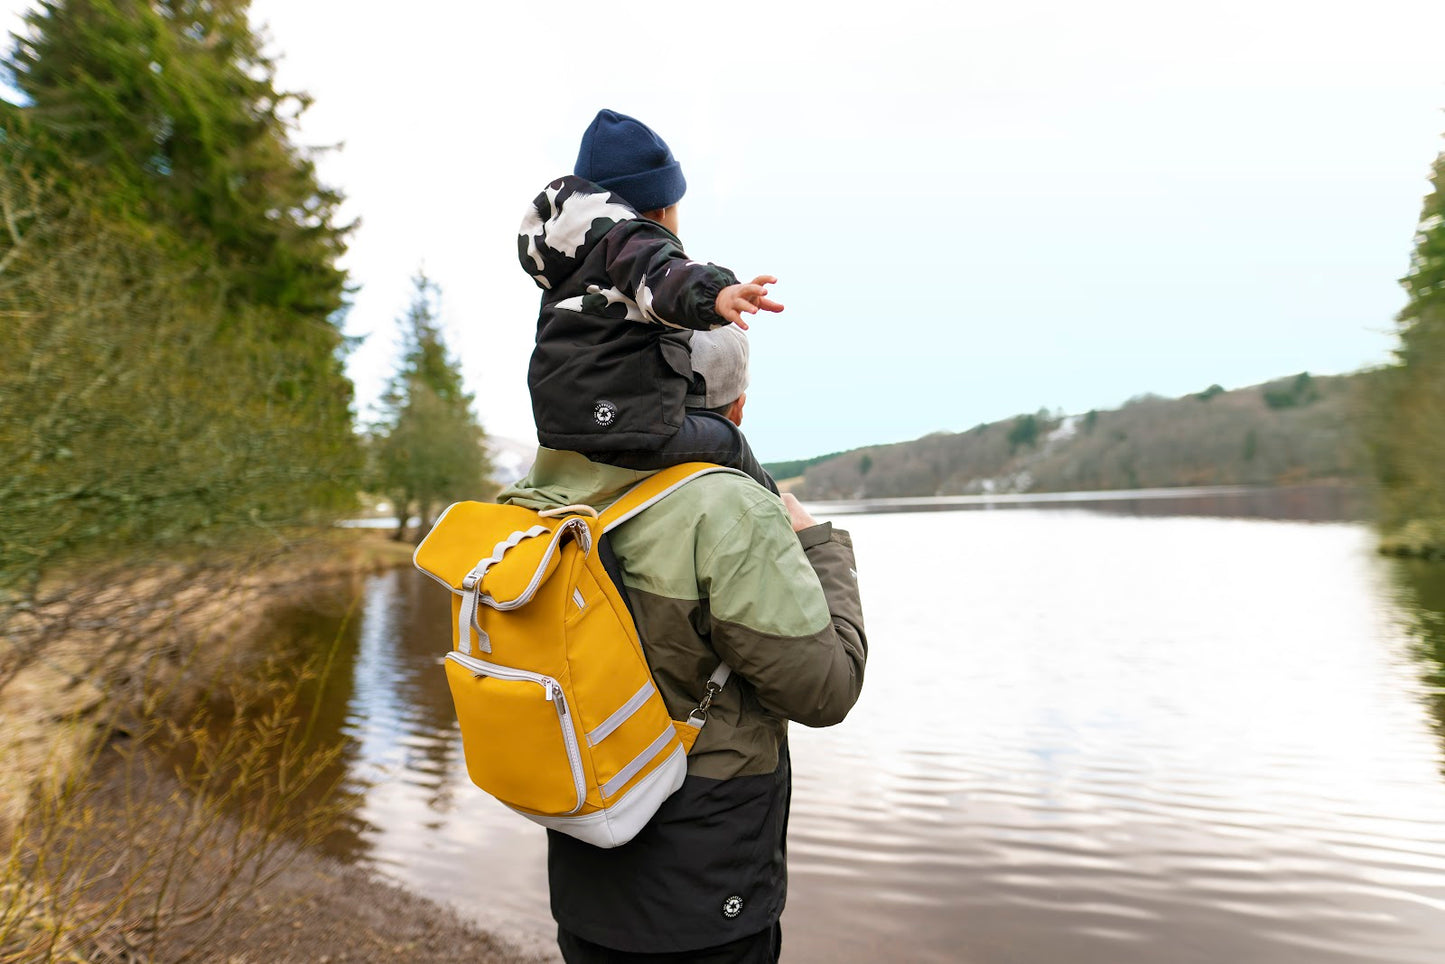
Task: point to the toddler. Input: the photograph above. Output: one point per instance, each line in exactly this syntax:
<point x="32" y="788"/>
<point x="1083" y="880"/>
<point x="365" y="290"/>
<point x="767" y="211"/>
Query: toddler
<point x="620" y="299"/>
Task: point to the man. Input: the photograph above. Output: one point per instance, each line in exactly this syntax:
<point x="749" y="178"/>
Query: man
<point x="720" y="570"/>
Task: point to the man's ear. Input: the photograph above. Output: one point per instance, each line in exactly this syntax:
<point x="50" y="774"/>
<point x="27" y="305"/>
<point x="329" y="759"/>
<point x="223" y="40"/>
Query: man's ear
<point x="735" y="410"/>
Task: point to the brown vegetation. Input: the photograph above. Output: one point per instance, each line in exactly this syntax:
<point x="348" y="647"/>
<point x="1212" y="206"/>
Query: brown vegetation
<point x="162" y="779"/>
<point x="1294" y="430"/>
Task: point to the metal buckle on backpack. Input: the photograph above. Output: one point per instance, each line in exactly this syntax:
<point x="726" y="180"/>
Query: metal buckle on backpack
<point x="699" y="712"/>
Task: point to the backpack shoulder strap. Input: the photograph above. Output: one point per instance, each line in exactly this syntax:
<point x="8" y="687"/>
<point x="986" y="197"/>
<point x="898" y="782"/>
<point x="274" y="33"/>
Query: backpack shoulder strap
<point x="650" y="491"/>
<point x="655" y="488"/>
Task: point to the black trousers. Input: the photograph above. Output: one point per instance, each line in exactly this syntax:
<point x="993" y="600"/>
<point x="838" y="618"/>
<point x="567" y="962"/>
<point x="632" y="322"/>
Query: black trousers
<point x="704" y="437"/>
<point x="764" y="947"/>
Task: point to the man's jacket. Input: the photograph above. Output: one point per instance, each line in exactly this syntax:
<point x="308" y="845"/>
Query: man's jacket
<point x="619" y="298"/>
<point x="712" y="572"/>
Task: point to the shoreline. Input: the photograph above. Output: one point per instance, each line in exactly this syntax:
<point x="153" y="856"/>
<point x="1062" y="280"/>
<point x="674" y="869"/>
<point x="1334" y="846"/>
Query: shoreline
<point x="67" y="726"/>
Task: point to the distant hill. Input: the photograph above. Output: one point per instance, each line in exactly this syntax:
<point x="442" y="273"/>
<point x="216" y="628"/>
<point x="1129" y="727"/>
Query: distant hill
<point x="1294" y="429"/>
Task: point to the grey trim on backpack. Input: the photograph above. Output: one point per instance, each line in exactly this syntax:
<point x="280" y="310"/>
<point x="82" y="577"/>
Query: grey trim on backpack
<point x="604" y="729"/>
<point x="638" y="762"/>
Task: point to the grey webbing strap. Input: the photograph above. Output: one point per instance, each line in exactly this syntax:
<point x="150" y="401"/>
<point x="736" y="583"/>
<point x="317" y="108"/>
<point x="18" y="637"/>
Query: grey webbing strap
<point x="715" y="683"/>
<point x="467" y="622"/>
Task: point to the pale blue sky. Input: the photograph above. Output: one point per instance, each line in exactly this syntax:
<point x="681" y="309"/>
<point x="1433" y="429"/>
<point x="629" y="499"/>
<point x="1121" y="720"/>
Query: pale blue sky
<point x="974" y="211"/>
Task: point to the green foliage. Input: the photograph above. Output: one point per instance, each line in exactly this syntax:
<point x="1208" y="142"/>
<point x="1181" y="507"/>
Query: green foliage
<point x="865" y="464"/>
<point x="176" y="103"/>
<point x="1405" y="405"/>
<point x="1299" y="390"/>
<point x="135" y="407"/>
<point x="169" y="111"/>
<point x="1023" y="432"/>
<point x="1210" y="392"/>
<point x="168" y="280"/>
<point x="428" y="449"/>
<point x="796" y="467"/>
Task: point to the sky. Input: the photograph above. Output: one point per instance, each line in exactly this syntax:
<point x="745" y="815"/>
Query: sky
<point x="974" y="210"/>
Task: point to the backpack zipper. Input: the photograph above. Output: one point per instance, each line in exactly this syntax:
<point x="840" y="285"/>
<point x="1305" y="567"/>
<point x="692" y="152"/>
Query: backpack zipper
<point x="552" y="691"/>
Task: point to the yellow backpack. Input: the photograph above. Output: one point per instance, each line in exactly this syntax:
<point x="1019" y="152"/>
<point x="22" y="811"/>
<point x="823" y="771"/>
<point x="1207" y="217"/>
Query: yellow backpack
<point x="560" y="717"/>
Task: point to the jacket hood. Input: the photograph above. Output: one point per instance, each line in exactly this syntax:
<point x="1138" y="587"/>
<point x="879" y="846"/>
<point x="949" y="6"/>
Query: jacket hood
<point x="563" y="224"/>
<point x="570" y="478"/>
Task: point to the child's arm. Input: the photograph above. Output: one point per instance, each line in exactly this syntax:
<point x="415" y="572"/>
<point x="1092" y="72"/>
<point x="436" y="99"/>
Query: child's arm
<point x="647" y="263"/>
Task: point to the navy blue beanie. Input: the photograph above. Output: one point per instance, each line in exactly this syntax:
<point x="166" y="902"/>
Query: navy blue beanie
<point x="626" y="156"/>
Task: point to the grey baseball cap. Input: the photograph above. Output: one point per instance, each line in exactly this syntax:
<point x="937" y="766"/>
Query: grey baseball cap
<point x="720" y="362"/>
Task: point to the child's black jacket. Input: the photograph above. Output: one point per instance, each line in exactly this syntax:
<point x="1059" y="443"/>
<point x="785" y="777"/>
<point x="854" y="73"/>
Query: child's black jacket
<point x="619" y="297"/>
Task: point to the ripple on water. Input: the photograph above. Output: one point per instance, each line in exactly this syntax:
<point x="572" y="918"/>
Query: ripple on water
<point x="1102" y="740"/>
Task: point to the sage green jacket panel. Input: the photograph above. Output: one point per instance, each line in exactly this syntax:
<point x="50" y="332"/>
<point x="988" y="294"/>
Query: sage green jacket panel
<point x="715" y="573"/>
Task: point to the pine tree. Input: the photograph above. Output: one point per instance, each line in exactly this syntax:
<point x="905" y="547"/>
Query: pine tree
<point x="177" y="102"/>
<point x="428" y="448"/>
<point x="1409" y="398"/>
<point x="172" y="105"/>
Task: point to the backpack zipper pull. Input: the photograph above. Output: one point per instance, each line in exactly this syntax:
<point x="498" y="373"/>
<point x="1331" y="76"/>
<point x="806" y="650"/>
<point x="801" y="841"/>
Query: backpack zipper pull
<point x="554" y="693"/>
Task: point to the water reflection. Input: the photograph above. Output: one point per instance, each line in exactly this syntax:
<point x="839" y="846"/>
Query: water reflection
<point x="1420" y="601"/>
<point x="1085" y="737"/>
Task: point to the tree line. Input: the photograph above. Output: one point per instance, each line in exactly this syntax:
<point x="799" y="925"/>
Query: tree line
<point x="1294" y="429"/>
<point x="172" y="299"/>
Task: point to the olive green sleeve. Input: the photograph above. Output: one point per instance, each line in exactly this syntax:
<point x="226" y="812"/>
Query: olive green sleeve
<point x="787" y="618"/>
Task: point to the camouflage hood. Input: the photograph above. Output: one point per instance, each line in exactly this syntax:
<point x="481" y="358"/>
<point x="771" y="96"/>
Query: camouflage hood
<point x="565" y="222"/>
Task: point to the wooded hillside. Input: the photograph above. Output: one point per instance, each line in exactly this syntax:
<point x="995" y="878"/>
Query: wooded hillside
<point x="1291" y="430"/>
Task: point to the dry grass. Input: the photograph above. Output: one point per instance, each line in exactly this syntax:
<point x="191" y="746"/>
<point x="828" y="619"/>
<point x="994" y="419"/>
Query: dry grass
<point x="159" y="770"/>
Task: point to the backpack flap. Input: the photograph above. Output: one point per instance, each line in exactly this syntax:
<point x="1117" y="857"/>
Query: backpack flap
<point x="494" y="555"/>
<point x="463" y="535"/>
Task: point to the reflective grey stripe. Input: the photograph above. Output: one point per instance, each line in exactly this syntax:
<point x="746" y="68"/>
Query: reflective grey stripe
<point x="577" y="598"/>
<point x="638" y="762"/>
<point x="604" y="729"/>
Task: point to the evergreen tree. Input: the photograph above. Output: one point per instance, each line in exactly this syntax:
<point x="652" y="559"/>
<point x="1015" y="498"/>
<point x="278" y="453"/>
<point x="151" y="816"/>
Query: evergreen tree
<point x="429" y="448"/>
<point x="1409" y="398"/>
<point x="176" y="101"/>
<point x="172" y="105"/>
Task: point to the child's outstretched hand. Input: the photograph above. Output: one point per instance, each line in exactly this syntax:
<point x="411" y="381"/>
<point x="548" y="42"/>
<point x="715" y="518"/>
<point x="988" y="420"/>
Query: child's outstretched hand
<point x="733" y="300"/>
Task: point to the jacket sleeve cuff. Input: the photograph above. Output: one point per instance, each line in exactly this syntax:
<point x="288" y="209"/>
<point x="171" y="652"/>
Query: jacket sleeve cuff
<point x="815" y="535"/>
<point x="708" y="288"/>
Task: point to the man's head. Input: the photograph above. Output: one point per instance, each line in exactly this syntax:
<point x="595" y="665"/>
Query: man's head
<point x="720" y="372"/>
<point x="625" y="156"/>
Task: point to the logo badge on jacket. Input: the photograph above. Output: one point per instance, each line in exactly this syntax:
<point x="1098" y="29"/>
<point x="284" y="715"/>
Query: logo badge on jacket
<point x="604" y="413"/>
<point x="732" y="907"/>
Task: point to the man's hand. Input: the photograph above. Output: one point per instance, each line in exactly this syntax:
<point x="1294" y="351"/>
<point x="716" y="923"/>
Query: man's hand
<point x="797" y="515"/>
<point x="733" y="300"/>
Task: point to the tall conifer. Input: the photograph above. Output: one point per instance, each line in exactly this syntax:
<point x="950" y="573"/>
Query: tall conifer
<point x="1409" y="429"/>
<point x="428" y="449"/>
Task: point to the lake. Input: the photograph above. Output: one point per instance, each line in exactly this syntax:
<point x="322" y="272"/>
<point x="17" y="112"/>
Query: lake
<point x="1086" y="736"/>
